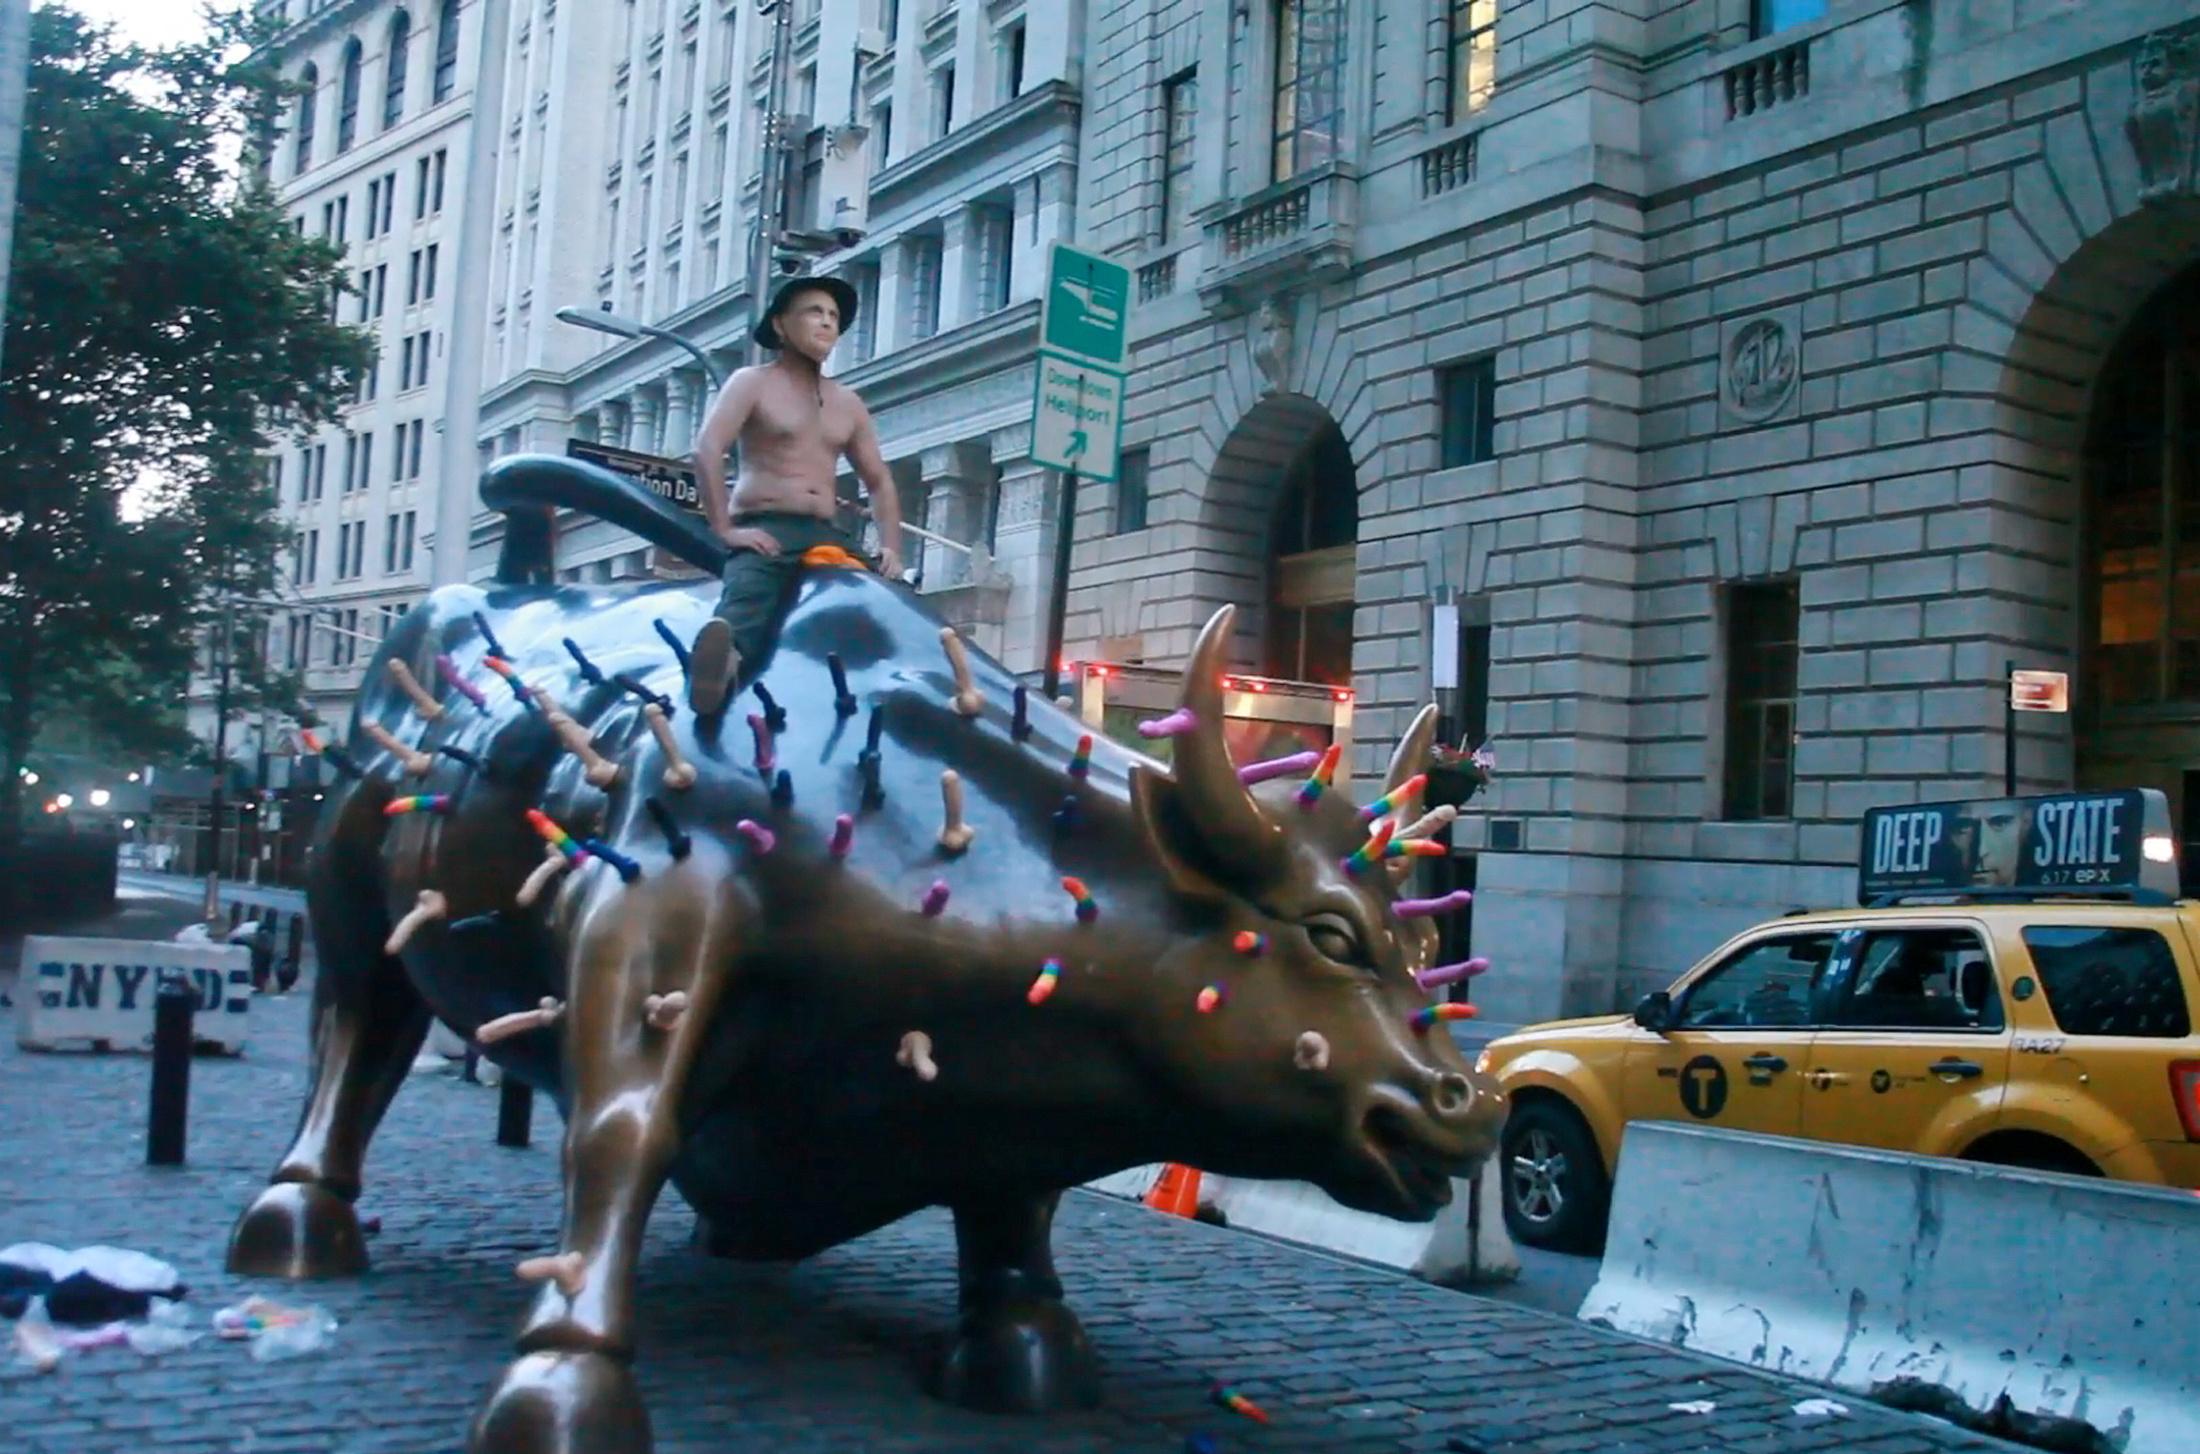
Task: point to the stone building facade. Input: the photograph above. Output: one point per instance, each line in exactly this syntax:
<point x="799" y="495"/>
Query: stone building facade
<point x="372" y="155"/>
<point x="937" y="149"/>
<point x="1758" y="379"/>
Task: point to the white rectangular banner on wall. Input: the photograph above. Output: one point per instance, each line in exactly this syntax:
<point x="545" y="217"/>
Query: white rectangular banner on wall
<point x="99" y="992"/>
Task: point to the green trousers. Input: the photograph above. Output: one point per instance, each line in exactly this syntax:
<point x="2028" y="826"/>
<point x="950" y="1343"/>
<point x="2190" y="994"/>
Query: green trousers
<point x="756" y="585"/>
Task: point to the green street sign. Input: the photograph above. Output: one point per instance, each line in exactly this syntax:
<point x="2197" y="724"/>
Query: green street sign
<point x="1087" y="308"/>
<point x="1077" y="418"/>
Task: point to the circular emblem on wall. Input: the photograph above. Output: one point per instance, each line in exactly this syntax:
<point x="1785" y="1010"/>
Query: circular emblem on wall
<point x="1761" y="369"/>
<point x="1703" y="1087"/>
<point x="1881" y="1080"/>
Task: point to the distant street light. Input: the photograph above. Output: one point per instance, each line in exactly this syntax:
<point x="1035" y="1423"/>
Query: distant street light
<point x="101" y="797"/>
<point x="618" y="325"/>
<point x="65" y="800"/>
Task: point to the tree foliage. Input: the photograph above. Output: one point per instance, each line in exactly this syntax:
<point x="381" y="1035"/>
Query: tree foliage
<point x="162" y="312"/>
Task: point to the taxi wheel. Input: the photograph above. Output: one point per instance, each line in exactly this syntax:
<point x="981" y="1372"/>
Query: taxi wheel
<point x="1556" y="1193"/>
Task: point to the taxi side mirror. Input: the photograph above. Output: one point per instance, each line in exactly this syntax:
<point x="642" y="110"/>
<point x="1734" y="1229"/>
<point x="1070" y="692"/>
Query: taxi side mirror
<point x="1655" y="1011"/>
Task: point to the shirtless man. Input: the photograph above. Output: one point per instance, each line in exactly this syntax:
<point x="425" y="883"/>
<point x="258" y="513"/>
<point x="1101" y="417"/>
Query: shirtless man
<point x="794" y="425"/>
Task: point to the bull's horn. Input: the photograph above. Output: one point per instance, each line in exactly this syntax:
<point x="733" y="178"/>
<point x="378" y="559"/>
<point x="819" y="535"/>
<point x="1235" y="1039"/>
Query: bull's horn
<point x="1413" y="751"/>
<point x="1229" y="822"/>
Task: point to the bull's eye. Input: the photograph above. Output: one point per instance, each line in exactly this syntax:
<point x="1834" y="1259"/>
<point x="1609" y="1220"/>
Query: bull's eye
<point x="1335" y="937"/>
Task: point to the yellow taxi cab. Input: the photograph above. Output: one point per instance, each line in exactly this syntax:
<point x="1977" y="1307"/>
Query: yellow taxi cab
<point x="2016" y="987"/>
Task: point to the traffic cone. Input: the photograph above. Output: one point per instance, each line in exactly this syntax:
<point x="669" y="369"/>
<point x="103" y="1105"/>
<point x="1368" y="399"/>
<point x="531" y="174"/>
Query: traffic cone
<point x="1177" y="1192"/>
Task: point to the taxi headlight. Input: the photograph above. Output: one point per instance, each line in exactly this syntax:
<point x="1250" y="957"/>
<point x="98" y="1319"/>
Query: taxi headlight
<point x="1482" y="1063"/>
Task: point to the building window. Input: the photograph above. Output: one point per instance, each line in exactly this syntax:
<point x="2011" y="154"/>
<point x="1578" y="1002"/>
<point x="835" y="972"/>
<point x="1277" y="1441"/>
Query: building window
<point x="1466" y="406"/>
<point x="1472" y="59"/>
<point x="864" y="342"/>
<point x="1309" y="85"/>
<point x="1769" y="17"/>
<point x="393" y="89"/>
<point x="1131" y="490"/>
<point x="389" y="543"/>
<point x="1762" y="620"/>
<point x="882" y="135"/>
<point x="1179" y="123"/>
<point x="1012" y="62"/>
<point x="1312" y="565"/>
<point x="924" y="287"/>
<point x="2143" y="466"/>
<point x="889" y="18"/>
<point x="446" y="50"/>
<point x="427" y="282"/>
<point x="347" y="99"/>
<point x="405" y="546"/>
<point x="996" y="229"/>
<point x="943" y="100"/>
<point x="310" y="92"/>
<point x="435" y="201"/>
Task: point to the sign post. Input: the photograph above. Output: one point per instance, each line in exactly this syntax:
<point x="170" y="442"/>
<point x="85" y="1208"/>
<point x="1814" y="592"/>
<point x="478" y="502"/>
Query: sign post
<point x="2029" y="691"/>
<point x="1077" y="405"/>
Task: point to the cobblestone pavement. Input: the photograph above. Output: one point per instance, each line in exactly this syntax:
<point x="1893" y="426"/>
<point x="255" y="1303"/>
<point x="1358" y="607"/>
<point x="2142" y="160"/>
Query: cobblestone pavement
<point x="819" y="1356"/>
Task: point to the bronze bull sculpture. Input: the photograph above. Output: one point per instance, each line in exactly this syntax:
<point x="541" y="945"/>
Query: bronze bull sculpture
<point x="754" y="959"/>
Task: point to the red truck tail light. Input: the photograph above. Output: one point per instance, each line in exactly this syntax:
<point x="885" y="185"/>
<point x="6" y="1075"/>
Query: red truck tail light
<point x="2184" y="1088"/>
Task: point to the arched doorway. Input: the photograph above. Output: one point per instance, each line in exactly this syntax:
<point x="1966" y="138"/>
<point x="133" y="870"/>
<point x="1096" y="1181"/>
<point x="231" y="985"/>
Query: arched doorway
<point x="2140" y="680"/>
<point x="1312" y="565"/>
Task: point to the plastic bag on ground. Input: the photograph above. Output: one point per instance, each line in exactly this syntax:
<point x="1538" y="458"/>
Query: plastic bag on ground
<point x="36" y="1345"/>
<point x="277" y="1330"/>
<point x="166" y="1329"/>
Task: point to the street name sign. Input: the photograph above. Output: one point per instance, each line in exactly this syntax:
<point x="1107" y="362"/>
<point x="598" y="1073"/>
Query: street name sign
<point x="668" y="479"/>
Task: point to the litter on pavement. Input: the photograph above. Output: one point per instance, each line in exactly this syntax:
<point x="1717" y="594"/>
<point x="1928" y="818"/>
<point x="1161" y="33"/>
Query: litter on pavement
<point x="90" y="1286"/>
<point x="277" y="1330"/>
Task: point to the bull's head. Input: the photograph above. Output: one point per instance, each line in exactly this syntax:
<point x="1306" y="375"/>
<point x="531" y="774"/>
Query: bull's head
<point x="1379" y="1113"/>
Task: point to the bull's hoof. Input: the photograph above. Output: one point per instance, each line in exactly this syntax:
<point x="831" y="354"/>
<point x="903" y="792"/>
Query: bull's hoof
<point x="1020" y="1358"/>
<point x="296" y="1230"/>
<point x="563" y="1403"/>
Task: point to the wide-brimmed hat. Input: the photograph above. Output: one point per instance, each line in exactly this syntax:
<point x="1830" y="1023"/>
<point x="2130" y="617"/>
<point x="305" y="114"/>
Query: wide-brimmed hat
<point x="766" y="331"/>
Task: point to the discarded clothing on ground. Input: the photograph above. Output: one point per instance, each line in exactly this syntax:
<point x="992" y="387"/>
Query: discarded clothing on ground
<point x="87" y="1287"/>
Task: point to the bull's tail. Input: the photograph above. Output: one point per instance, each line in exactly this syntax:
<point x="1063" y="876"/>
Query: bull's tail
<point x="531" y="488"/>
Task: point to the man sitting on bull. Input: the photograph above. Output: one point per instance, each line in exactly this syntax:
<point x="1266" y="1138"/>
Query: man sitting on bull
<point x="794" y="426"/>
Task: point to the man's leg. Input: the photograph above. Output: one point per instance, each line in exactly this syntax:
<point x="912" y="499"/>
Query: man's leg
<point x="737" y="631"/>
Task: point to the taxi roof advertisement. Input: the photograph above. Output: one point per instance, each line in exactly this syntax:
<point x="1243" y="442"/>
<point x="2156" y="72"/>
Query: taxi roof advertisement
<point x="2060" y="842"/>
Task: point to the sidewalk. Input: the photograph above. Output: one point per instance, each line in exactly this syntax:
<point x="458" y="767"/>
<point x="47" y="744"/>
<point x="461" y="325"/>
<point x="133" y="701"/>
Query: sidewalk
<point x="818" y="1356"/>
<point x="175" y="885"/>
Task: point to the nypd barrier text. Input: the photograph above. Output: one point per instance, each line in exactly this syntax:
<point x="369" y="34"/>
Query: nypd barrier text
<point x="101" y="991"/>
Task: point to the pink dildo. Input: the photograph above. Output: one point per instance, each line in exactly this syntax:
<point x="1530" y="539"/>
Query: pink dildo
<point x="1450" y="903"/>
<point x="935" y="899"/>
<point x="448" y="670"/>
<point x="759" y="835"/>
<point x="1443" y="974"/>
<point x="1176" y="724"/>
<point x="844" y="835"/>
<point x="766" y="759"/>
<point x="1275" y="767"/>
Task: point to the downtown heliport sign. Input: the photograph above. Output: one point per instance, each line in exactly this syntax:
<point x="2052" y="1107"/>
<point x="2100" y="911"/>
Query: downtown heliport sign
<point x="1077" y="408"/>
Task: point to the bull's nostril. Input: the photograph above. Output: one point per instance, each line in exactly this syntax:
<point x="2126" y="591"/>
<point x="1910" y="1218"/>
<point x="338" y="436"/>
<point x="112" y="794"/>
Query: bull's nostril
<point x="1453" y="1094"/>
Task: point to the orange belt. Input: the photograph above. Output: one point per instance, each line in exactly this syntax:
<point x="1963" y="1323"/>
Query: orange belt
<point x="832" y="555"/>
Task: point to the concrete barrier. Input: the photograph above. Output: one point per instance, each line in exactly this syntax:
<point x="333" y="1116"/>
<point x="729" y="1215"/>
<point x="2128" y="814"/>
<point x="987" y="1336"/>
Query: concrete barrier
<point x="1465" y="1244"/>
<point x="2015" y="1300"/>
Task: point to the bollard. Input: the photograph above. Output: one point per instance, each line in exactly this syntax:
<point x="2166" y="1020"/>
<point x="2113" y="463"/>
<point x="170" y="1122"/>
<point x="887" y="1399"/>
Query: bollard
<point x="173" y="1007"/>
<point x="515" y="1112"/>
<point x="294" y="955"/>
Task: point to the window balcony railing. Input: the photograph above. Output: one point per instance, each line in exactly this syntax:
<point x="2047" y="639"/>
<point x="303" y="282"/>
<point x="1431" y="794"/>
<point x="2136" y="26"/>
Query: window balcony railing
<point x="1303" y="227"/>
<point x="1766" y="81"/>
<point x="1449" y="165"/>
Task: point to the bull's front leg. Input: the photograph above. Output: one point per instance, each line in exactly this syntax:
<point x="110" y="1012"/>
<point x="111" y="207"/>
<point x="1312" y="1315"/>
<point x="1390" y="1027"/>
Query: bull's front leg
<point x="631" y="1044"/>
<point x="1019" y="1348"/>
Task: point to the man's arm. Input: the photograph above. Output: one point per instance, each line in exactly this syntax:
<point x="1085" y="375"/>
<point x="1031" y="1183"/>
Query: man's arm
<point x="878" y="483"/>
<point x="729" y="415"/>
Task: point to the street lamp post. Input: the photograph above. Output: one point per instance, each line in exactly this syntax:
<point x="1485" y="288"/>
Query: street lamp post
<point x="618" y="325"/>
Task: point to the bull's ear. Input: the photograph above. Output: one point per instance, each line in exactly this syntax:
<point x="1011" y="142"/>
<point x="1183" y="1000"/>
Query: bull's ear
<point x="1165" y="827"/>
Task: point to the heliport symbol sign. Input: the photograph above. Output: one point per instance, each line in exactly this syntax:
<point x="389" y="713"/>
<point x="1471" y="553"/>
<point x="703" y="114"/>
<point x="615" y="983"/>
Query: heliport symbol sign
<point x="1085" y="317"/>
<point x="1077" y="418"/>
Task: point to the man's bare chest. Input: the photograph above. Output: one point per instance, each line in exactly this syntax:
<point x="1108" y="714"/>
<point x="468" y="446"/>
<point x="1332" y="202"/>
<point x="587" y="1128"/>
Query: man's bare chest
<point x="786" y="422"/>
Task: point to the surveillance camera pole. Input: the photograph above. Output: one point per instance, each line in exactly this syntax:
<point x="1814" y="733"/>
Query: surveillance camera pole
<point x="771" y="193"/>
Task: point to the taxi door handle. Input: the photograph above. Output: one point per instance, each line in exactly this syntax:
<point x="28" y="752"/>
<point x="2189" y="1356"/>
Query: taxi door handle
<point x="1770" y="1064"/>
<point x="1827" y="1079"/>
<point x="1961" y="1069"/>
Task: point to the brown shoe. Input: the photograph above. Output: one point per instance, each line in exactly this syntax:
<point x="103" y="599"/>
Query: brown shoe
<point x="711" y="667"/>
